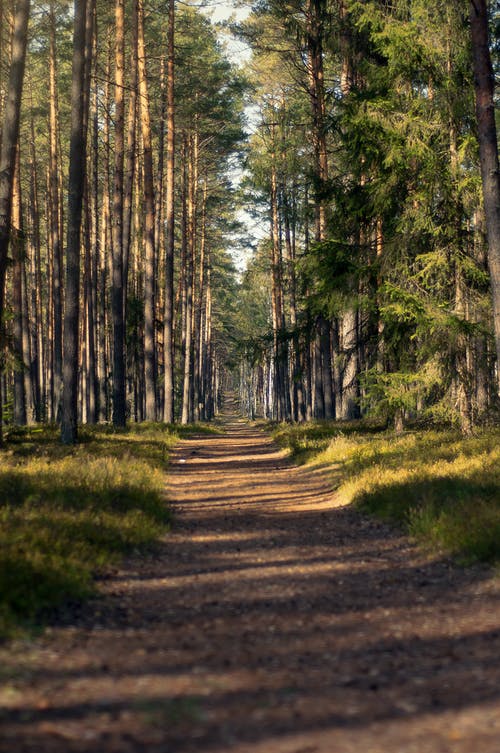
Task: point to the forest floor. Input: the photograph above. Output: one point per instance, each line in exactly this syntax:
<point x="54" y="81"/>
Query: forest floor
<point x="270" y="620"/>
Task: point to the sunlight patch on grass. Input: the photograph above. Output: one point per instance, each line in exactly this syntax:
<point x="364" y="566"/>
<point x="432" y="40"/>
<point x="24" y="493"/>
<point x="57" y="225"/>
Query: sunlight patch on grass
<point x="444" y="489"/>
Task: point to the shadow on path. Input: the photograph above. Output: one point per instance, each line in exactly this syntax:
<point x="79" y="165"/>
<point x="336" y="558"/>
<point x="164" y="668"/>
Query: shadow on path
<point x="269" y="620"/>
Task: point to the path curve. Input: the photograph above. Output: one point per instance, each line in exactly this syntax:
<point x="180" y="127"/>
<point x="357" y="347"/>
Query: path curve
<point x="272" y="621"/>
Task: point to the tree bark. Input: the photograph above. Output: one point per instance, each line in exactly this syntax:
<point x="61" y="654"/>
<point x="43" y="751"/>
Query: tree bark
<point x="149" y="224"/>
<point x="484" y="82"/>
<point x="17" y="242"/>
<point x="117" y="294"/>
<point x="168" y="325"/>
<point x="55" y="224"/>
<point x="190" y="247"/>
<point x="38" y="330"/>
<point x="77" y="165"/>
<point x="10" y="134"/>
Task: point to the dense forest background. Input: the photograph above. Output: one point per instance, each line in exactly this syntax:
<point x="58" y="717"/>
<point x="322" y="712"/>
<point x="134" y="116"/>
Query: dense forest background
<point x="355" y="135"/>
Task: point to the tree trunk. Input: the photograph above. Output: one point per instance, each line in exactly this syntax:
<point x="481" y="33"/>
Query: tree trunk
<point x="350" y="393"/>
<point x="91" y="259"/>
<point x="130" y="160"/>
<point x="38" y="330"/>
<point x="315" y="11"/>
<point x="76" y="184"/>
<point x="168" y="327"/>
<point x="105" y="245"/>
<point x="149" y="224"/>
<point x="190" y="246"/>
<point x="10" y="134"/>
<point x="484" y="82"/>
<point x="117" y="294"/>
<point x="17" y="243"/>
<point x="55" y="224"/>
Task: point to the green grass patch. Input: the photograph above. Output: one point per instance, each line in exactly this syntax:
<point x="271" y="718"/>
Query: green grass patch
<point x="444" y="489"/>
<point x="66" y="513"/>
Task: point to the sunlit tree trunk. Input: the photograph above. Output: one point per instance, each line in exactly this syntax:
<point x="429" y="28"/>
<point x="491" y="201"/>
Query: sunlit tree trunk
<point x="276" y="294"/>
<point x="18" y="251"/>
<point x="186" y="289"/>
<point x="117" y="293"/>
<point x="130" y="156"/>
<point x="348" y="324"/>
<point x="149" y="223"/>
<point x="130" y="174"/>
<point x="199" y="310"/>
<point x="191" y="151"/>
<point x="104" y="247"/>
<point x="38" y="331"/>
<point x="168" y="336"/>
<point x="92" y="254"/>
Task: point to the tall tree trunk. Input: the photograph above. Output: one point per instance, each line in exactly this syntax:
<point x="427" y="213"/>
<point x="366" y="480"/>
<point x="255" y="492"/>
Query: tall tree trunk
<point x="149" y="223"/>
<point x="104" y="246"/>
<point x="130" y="160"/>
<point x="91" y="257"/>
<point x="10" y="134"/>
<point x="17" y="243"/>
<point x="35" y="286"/>
<point x="190" y="248"/>
<point x="349" y="322"/>
<point x="55" y="223"/>
<point x="484" y="82"/>
<point x="117" y="294"/>
<point x="76" y="184"/>
<point x="315" y="12"/>
<point x="315" y="17"/>
<point x="276" y="294"/>
<point x="168" y="326"/>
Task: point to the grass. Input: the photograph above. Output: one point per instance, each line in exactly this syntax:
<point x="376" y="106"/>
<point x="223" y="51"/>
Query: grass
<point x="444" y="489"/>
<point x="67" y="513"/>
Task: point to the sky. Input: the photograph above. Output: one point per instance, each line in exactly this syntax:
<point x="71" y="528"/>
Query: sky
<point x="239" y="53"/>
<point x="219" y="11"/>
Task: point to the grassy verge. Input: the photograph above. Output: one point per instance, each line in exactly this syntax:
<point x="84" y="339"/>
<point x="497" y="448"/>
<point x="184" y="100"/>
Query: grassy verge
<point x="444" y="489"/>
<point x="65" y="513"/>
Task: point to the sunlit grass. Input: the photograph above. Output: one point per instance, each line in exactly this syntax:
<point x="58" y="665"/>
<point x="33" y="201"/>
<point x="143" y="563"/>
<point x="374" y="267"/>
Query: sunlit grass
<point x="444" y="489"/>
<point x="66" y="513"/>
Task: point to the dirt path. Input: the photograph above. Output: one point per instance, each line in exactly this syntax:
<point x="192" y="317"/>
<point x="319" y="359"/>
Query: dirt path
<point x="270" y="622"/>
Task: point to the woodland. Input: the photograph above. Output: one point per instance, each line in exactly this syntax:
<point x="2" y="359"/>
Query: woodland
<point x="249" y="376"/>
<point x="360" y="138"/>
<point x="298" y="207"/>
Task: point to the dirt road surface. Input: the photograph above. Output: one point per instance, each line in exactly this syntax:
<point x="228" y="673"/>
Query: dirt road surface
<point x="271" y="621"/>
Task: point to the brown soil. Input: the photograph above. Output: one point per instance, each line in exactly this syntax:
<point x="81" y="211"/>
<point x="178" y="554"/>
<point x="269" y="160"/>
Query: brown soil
<point x="271" y="621"/>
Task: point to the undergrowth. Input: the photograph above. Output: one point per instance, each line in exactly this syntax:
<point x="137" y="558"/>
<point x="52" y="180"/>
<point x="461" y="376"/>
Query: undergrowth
<point x="66" y="513"/>
<point x="444" y="489"/>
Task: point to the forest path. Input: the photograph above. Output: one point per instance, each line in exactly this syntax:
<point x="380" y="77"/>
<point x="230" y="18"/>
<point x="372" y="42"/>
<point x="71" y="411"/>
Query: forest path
<point x="271" y="621"/>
